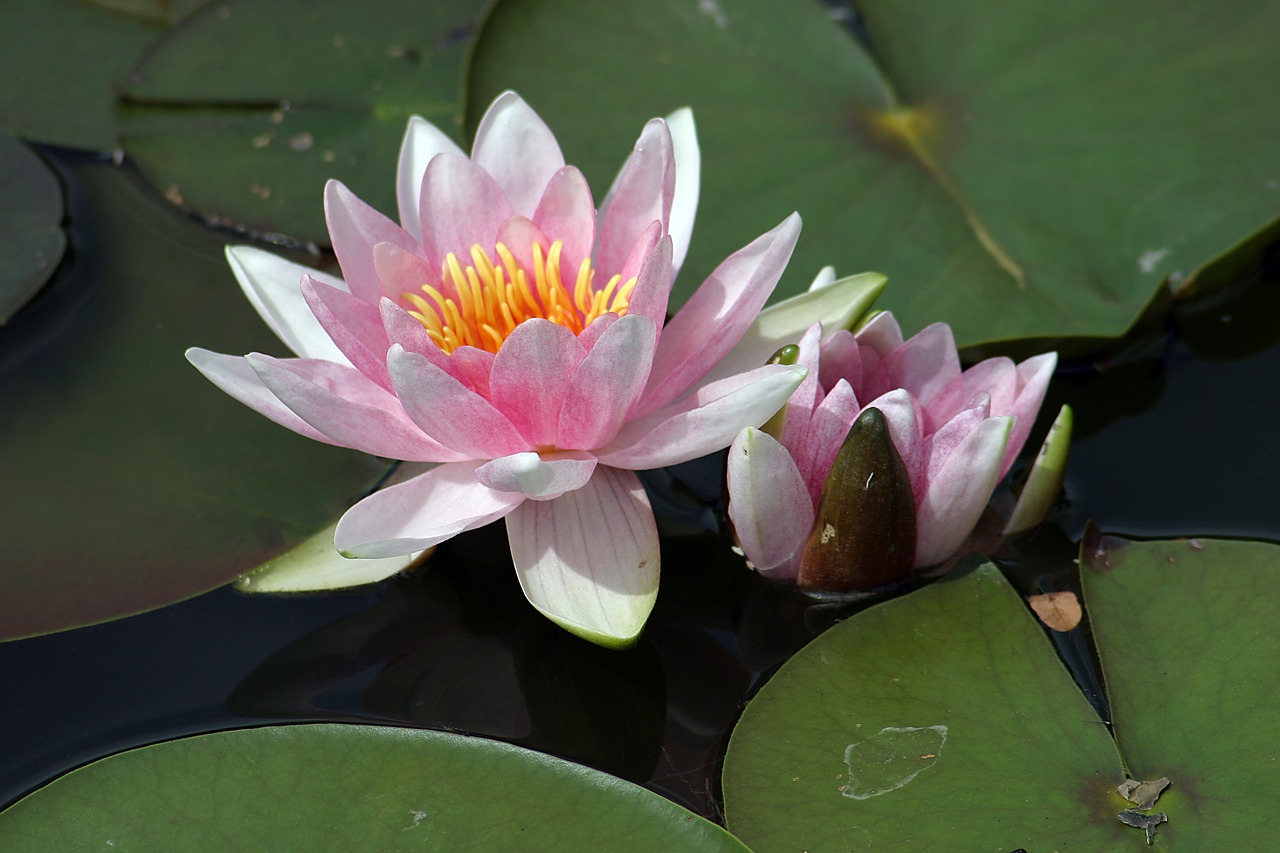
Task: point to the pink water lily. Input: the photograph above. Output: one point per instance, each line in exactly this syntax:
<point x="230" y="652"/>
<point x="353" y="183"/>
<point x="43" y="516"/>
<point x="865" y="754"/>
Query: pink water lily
<point x="957" y="433"/>
<point x="508" y="331"/>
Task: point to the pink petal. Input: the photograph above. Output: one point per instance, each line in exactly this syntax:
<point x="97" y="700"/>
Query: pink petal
<point x="704" y="421"/>
<point x="769" y="504"/>
<point x="596" y="329"/>
<point x="641" y="194"/>
<point x="449" y="411"/>
<point x="652" y="264"/>
<point x="589" y="559"/>
<point x="354" y="229"/>
<point x="400" y="271"/>
<point x="271" y="284"/>
<point x="997" y="377"/>
<point x="234" y="375"/>
<point x="462" y="206"/>
<point x="422" y="141"/>
<point x="806" y="398"/>
<point x="518" y="149"/>
<point x="473" y="366"/>
<point x="716" y="316"/>
<point x="519" y="234"/>
<point x="925" y="363"/>
<point x="607" y="383"/>
<point x="531" y="373"/>
<point x="348" y="407"/>
<point x="841" y="359"/>
<point x="404" y="329"/>
<point x="828" y="428"/>
<point x="1033" y="377"/>
<point x="939" y="446"/>
<point x="957" y="494"/>
<point x="538" y="477"/>
<point x="881" y="333"/>
<point x="469" y="365"/>
<point x="567" y="213"/>
<point x="355" y="327"/>
<point x="688" y="165"/>
<point x="421" y="512"/>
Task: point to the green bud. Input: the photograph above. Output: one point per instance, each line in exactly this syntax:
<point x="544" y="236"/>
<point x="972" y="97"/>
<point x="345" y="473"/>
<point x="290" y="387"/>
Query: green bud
<point x="789" y="354"/>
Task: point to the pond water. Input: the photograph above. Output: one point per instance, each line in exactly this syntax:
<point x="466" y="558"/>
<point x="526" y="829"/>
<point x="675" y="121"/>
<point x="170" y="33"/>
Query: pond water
<point x="1175" y="437"/>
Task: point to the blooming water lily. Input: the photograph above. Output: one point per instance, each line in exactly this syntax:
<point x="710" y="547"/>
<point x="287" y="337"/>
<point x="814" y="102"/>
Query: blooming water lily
<point x="510" y="332"/>
<point x="884" y="458"/>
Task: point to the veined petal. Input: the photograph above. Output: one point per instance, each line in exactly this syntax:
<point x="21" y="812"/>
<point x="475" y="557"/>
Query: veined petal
<point x="704" y="421"/>
<point x="461" y="206"/>
<point x="354" y="325"/>
<point x="718" y="314"/>
<point x="348" y="407"/>
<point x="449" y="411"/>
<point x="271" y="285"/>
<point x="234" y="375"/>
<point x="421" y="512"/>
<point x="530" y="376"/>
<point x="607" y="383"/>
<point x="925" y="363"/>
<point x="589" y="559"/>
<point x="354" y="229"/>
<point x="515" y="146"/>
<point x="538" y="477"/>
<point x="769" y="503"/>
<point x="567" y="213"/>
<point x="642" y="193"/>
<point x="957" y="494"/>
<point x="835" y="306"/>
<point x="684" y="203"/>
<point x="422" y="141"/>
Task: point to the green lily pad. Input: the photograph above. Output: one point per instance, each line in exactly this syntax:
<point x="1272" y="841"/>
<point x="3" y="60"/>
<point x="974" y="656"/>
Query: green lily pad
<point x="60" y="60"/>
<point x="159" y="11"/>
<point x="944" y="720"/>
<point x="330" y="787"/>
<point x="242" y="113"/>
<point x="132" y="482"/>
<point x="1017" y="172"/>
<point x="31" y="236"/>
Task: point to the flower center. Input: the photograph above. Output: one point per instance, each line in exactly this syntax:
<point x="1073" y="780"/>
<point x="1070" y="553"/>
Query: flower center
<point x="492" y="299"/>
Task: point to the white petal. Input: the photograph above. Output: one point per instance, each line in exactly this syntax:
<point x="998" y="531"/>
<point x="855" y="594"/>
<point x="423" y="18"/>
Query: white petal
<point x="422" y="141"/>
<point x="684" y="205"/>
<point x="769" y="503"/>
<point x="537" y="478"/>
<point x="273" y="286"/>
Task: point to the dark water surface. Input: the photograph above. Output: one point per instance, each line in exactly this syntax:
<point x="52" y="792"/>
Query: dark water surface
<point x="1175" y="437"/>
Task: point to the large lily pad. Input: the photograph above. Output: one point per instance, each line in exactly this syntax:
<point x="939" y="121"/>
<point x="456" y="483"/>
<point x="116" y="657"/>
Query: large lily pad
<point x="332" y="787"/>
<point x="244" y="111"/>
<point x="1017" y="171"/>
<point x="31" y="237"/>
<point x="130" y="481"/>
<point x="943" y="720"/>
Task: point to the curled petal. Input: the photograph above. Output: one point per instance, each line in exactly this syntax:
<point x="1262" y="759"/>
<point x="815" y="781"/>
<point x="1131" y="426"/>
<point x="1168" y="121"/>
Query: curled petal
<point x="422" y="141"/>
<point x="536" y="477"/>
<point x="769" y="503"/>
<point x="421" y="512"/>
<point x="958" y="492"/>
<point x="271" y="285"/>
<point x="589" y="559"/>
<point x="515" y="146"/>
<point x="234" y="375"/>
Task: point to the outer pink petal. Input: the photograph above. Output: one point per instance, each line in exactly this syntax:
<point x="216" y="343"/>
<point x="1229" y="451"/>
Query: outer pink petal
<point x="355" y="228"/>
<point x="925" y="363"/>
<point x="567" y="213"/>
<point x="234" y="375"/>
<point x="536" y="477"/>
<point x="270" y="284"/>
<point x="958" y="493"/>
<point x="461" y="206"/>
<point x="807" y="397"/>
<point x="589" y="559"/>
<point x="684" y="203"/>
<point x="515" y="146"/>
<point x="421" y="512"/>
<point x="607" y="383"/>
<point x="939" y="446"/>
<point x="422" y="141"/>
<point x="641" y="194"/>
<point x="828" y="428"/>
<point x="530" y="376"/>
<point x="449" y="411"/>
<point x="704" y="421"/>
<point x="348" y="407"/>
<point x="355" y="327"/>
<point x="1033" y="376"/>
<point x="769" y="503"/>
<point x="713" y="319"/>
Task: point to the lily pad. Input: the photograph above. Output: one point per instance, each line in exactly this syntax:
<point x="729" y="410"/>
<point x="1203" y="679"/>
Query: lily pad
<point x="944" y="720"/>
<point x="131" y="481"/>
<point x="245" y="110"/>
<point x="31" y="236"/>
<point x="1017" y="172"/>
<point x="330" y="787"/>
<point x="60" y="60"/>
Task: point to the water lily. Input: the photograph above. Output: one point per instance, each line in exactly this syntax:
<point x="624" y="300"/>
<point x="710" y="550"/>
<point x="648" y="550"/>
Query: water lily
<point x="926" y="442"/>
<point x="512" y="334"/>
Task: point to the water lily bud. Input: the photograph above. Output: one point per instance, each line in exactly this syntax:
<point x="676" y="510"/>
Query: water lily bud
<point x="865" y="532"/>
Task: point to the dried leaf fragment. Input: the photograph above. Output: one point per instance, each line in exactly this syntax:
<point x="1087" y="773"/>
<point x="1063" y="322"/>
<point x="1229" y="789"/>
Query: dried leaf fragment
<point x="1149" y="822"/>
<point x="1143" y="794"/>
<point x="1058" y="610"/>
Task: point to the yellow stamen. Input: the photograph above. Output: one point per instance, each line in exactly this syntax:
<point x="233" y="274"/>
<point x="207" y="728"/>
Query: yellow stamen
<point x="488" y="300"/>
